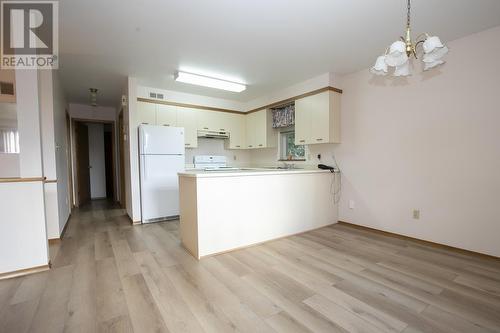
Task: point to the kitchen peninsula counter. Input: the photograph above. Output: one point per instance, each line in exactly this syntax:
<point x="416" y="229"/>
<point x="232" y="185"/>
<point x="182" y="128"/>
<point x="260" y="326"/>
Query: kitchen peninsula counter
<point x="226" y="210"/>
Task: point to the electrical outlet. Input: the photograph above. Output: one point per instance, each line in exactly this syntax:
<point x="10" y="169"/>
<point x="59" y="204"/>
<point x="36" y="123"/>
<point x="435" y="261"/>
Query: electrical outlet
<point x="416" y="214"/>
<point x="352" y="204"/>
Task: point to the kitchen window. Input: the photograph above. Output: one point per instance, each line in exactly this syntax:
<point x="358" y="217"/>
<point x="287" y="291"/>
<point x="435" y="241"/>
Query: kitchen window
<point x="289" y="151"/>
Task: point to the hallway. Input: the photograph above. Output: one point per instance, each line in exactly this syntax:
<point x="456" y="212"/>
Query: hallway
<point x="110" y="276"/>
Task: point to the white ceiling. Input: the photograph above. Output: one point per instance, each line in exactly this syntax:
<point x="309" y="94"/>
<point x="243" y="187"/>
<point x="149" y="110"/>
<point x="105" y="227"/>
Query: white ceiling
<point x="267" y="44"/>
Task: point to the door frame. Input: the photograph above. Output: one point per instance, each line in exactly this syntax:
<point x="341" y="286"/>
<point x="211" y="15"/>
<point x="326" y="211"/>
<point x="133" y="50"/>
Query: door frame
<point x="70" y="161"/>
<point x="75" y="156"/>
<point x="121" y="161"/>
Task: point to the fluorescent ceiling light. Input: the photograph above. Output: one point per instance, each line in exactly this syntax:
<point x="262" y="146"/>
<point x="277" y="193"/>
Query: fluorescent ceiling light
<point x="206" y="81"/>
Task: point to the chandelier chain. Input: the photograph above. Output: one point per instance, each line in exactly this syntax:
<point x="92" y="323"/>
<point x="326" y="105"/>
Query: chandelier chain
<point x="408" y="15"/>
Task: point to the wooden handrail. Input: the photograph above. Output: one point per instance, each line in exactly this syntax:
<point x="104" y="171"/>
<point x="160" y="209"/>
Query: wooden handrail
<point x="22" y="180"/>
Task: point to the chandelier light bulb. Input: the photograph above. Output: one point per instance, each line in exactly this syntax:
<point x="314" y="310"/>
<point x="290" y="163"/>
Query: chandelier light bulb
<point x="380" y="67"/>
<point x="403" y="70"/>
<point x="397" y="54"/>
<point x="431" y="65"/>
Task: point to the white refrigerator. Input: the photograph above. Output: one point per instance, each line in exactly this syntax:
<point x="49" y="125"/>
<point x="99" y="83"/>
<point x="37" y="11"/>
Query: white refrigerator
<point x="161" y="157"/>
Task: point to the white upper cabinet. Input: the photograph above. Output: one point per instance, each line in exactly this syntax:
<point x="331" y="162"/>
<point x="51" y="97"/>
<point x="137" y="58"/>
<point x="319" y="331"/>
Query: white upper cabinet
<point x="146" y="113"/>
<point x="166" y="115"/>
<point x="187" y="118"/>
<point x="259" y="131"/>
<point x="237" y="131"/>
<point x="250" y="123"/>
<point x="206" y="120"/>
<point x="213" y="120"/>
<point x="317" y="118"/>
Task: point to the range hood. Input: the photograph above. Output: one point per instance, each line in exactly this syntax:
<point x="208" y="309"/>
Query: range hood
<point x="213" y="134"/>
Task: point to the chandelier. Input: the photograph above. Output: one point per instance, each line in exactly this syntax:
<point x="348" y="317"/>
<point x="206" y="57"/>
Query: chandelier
<point x="398" y="55"/>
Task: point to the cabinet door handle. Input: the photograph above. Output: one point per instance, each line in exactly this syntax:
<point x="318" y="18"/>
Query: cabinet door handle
<point x="166" y="124"/>
<point x="260" y="145"/>
<point x="187" y="144"/>
<point x="250" y="146"/>
<point x="302" y="140"/>
<point x="145" y="123"/>
<point x="319" y="139"/>
<point x="205" y="128"/>
<point x="238" y="146"/>
<point x="221" y="129"/>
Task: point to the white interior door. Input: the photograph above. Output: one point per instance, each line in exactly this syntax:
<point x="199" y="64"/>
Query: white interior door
<point x="160" y="186"/>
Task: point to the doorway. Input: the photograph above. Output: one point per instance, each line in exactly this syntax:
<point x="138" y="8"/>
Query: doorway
<point x="94" y="160"/>
<point x="121" y="142"/>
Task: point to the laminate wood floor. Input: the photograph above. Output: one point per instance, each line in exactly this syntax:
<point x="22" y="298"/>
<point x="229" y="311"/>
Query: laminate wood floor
<point x="110" y="276"/>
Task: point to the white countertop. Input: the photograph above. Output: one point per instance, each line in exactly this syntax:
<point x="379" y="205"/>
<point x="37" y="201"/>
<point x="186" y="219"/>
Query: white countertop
<point x="194" y="173"/>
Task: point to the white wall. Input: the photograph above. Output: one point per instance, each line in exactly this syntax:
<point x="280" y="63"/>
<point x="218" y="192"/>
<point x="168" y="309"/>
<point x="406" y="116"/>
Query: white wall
<point x="180" y="97"/>
<point x="62" y="152"/>
<point x="45" y="89"/>
<point x="23" y="240"/>
<point x="317" y="82"/>
<point x="96" y="160"/>
<point x="23" y="234"/>
<point x="430" y="142"/>
<point x="29" y="123"/>
<point x="133" y="188"/>
<point x="9" y="165"/>
<point x="55" y="152"/>
<point x="87" y="112"/>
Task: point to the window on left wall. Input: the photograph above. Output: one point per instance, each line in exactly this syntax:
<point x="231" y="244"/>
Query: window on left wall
<point x="9" y="134"/>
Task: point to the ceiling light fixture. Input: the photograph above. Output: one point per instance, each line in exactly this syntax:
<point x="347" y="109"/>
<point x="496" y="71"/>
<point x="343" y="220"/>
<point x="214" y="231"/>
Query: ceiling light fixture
<point x="207" y="81"/>
<point x="399" y="53"/>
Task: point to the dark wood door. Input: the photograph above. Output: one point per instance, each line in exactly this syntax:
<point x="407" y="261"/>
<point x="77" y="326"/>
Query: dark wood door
<point x="82" y="163"/>
<point x="108" y="164"/>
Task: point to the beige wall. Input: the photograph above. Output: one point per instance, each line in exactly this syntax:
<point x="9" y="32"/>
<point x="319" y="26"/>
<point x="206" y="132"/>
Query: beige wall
<point x="430" y="142"/>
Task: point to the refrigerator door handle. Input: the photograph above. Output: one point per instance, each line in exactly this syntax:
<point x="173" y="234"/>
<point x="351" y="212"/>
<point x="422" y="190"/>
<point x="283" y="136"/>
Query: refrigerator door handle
<point x="145" y="144"/>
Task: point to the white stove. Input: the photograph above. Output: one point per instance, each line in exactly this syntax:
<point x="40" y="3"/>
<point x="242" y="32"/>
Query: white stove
<point x="211" y="163"/>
